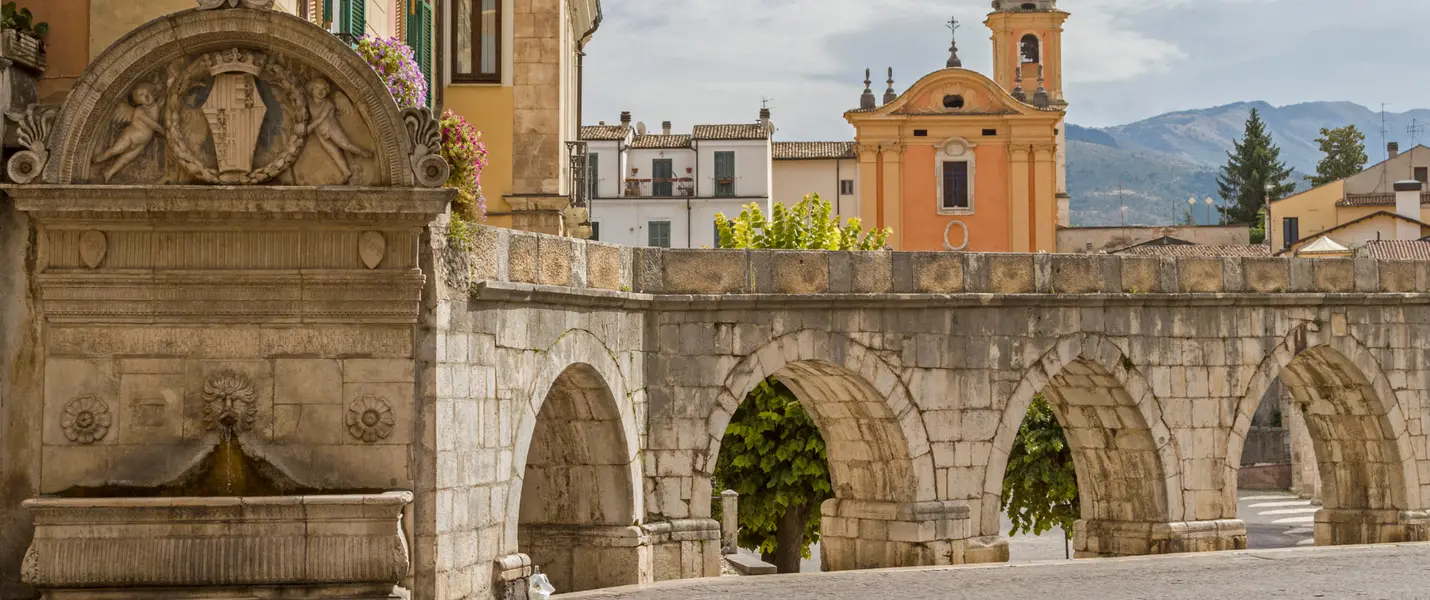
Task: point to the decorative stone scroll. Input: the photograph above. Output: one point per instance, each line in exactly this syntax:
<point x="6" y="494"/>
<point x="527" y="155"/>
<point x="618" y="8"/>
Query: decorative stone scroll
<point x="230" y="402"/>
<point x="34" y="131"/>
<point x="425" y="133"/>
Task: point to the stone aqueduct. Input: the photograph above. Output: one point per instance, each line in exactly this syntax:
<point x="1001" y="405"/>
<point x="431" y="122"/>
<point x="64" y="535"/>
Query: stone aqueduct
<point x="546" y="401"/>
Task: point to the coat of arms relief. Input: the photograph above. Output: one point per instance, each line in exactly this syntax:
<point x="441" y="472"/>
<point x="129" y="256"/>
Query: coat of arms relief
<point x="235" y="117"/>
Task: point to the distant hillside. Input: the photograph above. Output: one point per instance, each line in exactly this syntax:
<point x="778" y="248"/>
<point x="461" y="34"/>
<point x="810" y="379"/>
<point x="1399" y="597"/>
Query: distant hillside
<point x="1154" y="186"/>
<point x="1203" y="136"/>
<point x="1166" y="159"/>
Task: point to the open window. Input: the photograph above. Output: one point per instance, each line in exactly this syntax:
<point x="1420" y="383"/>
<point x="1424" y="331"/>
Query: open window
<point x="1031" y="49"/>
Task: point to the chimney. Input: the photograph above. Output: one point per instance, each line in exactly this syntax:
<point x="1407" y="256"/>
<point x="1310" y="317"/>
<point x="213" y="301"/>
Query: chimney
<point x="665" y="127"/>
<point x="1393" y="149"/>
<point x="626" y="119"/>
<point x="765" y="121"/>
<point x="1407" y="205"/>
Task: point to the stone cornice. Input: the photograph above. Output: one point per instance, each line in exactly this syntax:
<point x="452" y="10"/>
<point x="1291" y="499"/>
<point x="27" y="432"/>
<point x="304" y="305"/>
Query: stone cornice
<point x="413" y="205"/>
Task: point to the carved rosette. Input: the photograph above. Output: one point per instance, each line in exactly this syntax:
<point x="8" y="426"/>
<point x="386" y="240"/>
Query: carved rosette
<point x="230" y="402"/>
<point x="86" y="420"/>
<point x="235" y="115"/>
<point x="424" y="132"/>
<point x="370" y="419"/>
<point x="34" y="132"/>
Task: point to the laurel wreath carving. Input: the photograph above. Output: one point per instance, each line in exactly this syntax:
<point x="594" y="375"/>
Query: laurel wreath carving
<point x="275" y="71"/>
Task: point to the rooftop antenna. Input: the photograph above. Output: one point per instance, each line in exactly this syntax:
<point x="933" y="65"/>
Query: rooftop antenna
<point x="765" y="102"/>
<point x="1383" y="146"/>
<point x="1415" y="128"/>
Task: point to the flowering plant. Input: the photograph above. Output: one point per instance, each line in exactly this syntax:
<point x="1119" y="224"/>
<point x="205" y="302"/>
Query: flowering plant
<point x="463" y="148"/>
<point x="394" y="62"/>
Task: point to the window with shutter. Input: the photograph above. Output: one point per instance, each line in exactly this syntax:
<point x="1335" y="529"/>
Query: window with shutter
<point x="326" y="19"/>
<point x="725" y="174"/>
<point x="354" y="18"/>
<point x="593" y="172"/>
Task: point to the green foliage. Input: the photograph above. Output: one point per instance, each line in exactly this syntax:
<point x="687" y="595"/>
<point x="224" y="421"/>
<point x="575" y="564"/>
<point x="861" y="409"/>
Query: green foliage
<point x="808" y="225"/>
<point x="1258" y="229"/>
<point x="21" y="20"/>
<point x="773" y="456"/>
<point x="1254" y="172"/>
<point x="1344" y="148"/>
<point x="1040" y="484"/>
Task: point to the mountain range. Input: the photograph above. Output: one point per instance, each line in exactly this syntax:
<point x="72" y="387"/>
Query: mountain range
<point x="1154" y="165"/>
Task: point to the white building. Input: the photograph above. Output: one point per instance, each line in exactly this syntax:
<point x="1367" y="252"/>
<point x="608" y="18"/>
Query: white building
<point x="664" y="189"/>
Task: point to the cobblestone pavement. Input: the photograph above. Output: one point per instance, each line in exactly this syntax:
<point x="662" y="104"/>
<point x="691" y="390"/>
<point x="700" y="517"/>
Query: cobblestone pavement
<point x="1375" y="572"/>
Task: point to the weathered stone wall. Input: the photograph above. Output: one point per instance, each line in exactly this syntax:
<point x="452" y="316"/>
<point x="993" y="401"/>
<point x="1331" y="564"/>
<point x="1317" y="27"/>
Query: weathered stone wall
<point x="919" y="367"/>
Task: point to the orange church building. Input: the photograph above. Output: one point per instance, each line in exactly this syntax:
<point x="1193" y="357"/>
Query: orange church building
<point x="960" y="161"/>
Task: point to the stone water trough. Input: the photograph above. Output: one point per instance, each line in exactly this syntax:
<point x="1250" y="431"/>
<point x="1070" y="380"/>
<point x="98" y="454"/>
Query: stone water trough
<point x="340" y="546"/>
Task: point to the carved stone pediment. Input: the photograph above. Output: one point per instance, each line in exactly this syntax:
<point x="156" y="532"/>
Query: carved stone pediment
<point x="234" y="97"/>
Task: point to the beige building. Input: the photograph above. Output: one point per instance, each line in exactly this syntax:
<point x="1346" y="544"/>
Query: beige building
<point x="830" y="169"/>
<point x="1357" y="209"/>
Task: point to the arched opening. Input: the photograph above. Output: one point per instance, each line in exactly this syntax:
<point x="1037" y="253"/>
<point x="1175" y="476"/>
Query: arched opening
<point x="879" y="468"/>
<point x="1360" y="447"/>
<point x="577" y="511"/>
<point x="1121" y="455"/>
<point x="1031" y="49"/>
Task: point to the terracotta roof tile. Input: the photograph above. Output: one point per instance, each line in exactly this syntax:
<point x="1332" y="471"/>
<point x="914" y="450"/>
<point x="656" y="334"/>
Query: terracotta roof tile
<point x="748" y="131"/>
<point x="1396" y="250"/>
<point x="655" y="142"/>
<point x="1376" y="199"/>
<point x="1198" y="250"/>
<point x="603" y="133"/>
<point x="813" y="150"/>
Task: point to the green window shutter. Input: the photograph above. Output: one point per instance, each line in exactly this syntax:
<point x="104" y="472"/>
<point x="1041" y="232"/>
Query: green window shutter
<point x="353" y="17"/>
<point x="423" y="50"/>
<point x="326" y="19"/>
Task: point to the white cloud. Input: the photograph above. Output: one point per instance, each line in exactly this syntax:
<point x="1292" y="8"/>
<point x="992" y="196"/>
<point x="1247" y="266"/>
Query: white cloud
<point x="705" y="61"/>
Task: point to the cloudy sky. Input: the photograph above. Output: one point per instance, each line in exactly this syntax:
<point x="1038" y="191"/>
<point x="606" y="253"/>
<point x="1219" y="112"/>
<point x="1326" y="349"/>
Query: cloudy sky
<point x="711" y="61"/>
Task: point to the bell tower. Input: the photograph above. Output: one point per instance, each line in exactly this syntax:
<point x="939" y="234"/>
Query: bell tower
<point x="1028" y="37"/>
<point x="1028" y="62"/>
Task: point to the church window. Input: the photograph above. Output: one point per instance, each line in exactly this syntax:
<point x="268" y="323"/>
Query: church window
<point x="1031" y="49"/>
<point x="955" y="185"/>
<point x="953" y="101"/>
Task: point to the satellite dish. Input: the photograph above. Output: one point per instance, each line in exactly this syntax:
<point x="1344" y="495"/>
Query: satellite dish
<point x="640" y="128"/>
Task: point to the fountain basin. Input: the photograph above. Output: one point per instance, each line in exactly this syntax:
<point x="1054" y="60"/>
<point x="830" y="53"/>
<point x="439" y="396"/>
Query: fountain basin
<point x="338" y="546"/>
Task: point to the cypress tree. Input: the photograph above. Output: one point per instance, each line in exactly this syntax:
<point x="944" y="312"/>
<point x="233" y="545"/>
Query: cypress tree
<point x="1254" y="173"/>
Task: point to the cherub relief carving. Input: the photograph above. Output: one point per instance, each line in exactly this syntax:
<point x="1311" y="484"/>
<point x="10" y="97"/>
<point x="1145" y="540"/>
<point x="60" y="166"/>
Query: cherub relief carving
<point x="325" y="107"/>
<point x="142" y="115"/>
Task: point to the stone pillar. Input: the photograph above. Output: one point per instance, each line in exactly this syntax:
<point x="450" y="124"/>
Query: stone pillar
<point x="511" y="577"/>
<point x="864" y="534"/>
<point x="1098" y="538"/>
<point x="684" y="548"/>
<point x="729" y="522"/>
<point x="539" y="213"/>
<point x="1019" y="217"/>
<point x="1305" y="475"/>
<point x="586" y="557"/>
<point x="1336" y="527"/>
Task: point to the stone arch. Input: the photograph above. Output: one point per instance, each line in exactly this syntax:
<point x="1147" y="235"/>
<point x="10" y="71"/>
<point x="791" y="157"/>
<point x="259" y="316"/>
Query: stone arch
<point x="576" y="474"/>
<point x="877" y="444"/>
<point x="1094" y="389"/>
<point x="1361" y="440"/>
<point x="145" y="52"/>
<point x="1030" y="49"/>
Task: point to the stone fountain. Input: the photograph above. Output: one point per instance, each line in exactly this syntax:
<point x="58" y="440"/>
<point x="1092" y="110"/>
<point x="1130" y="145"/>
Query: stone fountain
<point x="212" y="296"/>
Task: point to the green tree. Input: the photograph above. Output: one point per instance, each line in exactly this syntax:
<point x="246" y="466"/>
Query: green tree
<point x="1254" y="171"/>
<point x="1040" y="483"/>
<point x="1344" y="148"/>
<point x="772" y="453"/>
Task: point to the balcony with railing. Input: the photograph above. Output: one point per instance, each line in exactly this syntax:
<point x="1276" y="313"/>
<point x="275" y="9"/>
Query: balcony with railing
<point x="660" y="187"/>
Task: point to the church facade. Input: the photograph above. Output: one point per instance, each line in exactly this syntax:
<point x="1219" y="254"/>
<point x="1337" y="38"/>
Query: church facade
<point x="961" y="161"/>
